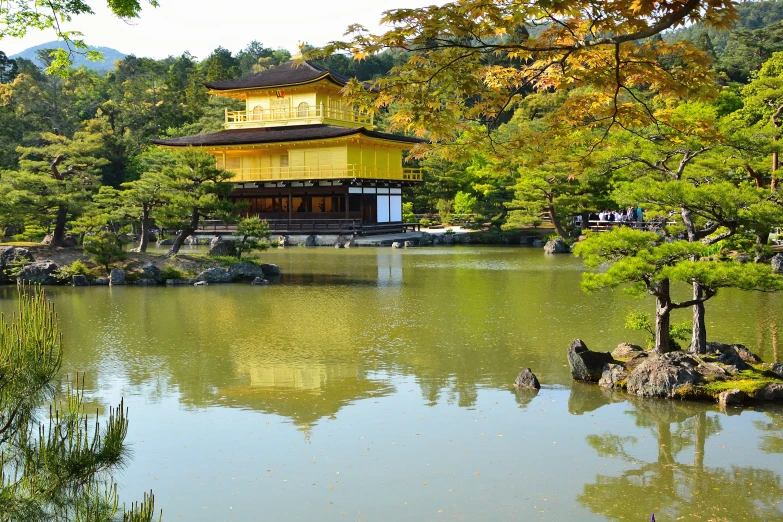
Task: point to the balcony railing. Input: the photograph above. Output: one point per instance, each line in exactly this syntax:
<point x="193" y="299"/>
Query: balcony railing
<point x="286" y="116"/>
<point x="323" y="172"/>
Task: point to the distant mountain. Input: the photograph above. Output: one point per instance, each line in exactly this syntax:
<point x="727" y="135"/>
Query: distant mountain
<point x="109" y="56"/>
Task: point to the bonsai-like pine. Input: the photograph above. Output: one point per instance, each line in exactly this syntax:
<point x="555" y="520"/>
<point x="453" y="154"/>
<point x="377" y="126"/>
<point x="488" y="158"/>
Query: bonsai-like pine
<point x="254" y="234"/>
<point x="59" y="468"/>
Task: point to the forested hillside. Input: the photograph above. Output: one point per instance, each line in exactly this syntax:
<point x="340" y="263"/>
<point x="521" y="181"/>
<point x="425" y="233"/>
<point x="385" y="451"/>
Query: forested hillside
<point x="79" y="59"/>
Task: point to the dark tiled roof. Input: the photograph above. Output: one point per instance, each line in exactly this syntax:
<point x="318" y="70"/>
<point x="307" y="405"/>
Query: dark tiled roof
<point x="289" y="73"/>
<point x="277" y="135"/>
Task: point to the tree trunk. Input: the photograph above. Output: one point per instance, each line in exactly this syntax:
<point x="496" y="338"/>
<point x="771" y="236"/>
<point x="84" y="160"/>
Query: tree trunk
<point x="145" y="231"/>
<point x="58" y="236"/>
<point x="699" y="336"/>
<point x="556" y="222"/>
<point x="184" y="233"/>
<point x="662" y="319"/>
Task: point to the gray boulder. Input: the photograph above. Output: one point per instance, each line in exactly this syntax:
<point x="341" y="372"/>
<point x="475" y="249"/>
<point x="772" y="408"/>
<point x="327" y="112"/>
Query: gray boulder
<point x="770" y="392"/>
<point x="425" y="239"/>
<point x="270" y="269"/>
<point x="626" y="351"/>
<point x="180" y="282"/>
<point x="10" y="256"/>
<point x="152" y="272"/>
<point x="200" y="283"/>
<point x="731" y="352"/>
<point x="538" y="243"/>
<point x="557" y="246"/>
<point x="586" y="365"/>
<point x="259" y="281"/>
<point x="527" y="379"/>
<point x="100" y="281"/>
<point x="80" y="280"/>
<point x="145" y="281"/>
<point x="117" y="277"/>
<point x="663" y="375"/>
<point x="68" y="240"/>
<point x="777" y="263"/>
<point x="214" y="275"/>
<point x="344" y="242"/>
<point x="310" y="241"/>
<point x="245" y="271"/>
<point x="411" y="244"/>
<point x="42" y="272"/>
<point x="776" y="368"/>
<point x="733" y="396"/>
<point x="222" y="247"/>
<point x="612" y="375"/>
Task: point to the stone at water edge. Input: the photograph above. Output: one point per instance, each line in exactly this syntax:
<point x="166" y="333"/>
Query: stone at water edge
<point x="612" y="374"/>
<point x="180" y="282"/>
<point x="396" y="244"/>
<point x="776" y="368"/>
<point x="410" y="244"/>
<point x="770" y="392"/>
<point x="80" y="280"/>
<point x="222" y="247"/>
<point x="538" y="243"/>
<point x="152" y="272"/>
<point x="662" y="375"/>
<point x="310" y="241"/>
<point x="259" y="281"/>
<point x="732" y="349"/>
<point x="270" y="270"/>
<point x="626" y="351"/>
<point x="527" y="379"/>
<point x="117" y="277"/>
<point x="200" y="283"/>
<point x="214" y="275"/>
<point x="557" y="246"/>
<point x="42" y="272"/>
<point x="733" y="396"/>
<point x="586" y="365"/>
<point x="100" y="281"/>
<point x="11" y="255"/>
<point x="777" y="263"/>
<point x="246" y="271"/>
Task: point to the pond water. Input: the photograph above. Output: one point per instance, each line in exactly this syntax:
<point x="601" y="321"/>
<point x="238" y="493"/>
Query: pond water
<point x="374" y="384"/>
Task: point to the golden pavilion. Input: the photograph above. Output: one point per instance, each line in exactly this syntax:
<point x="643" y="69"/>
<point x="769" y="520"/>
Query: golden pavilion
<point x="302" y="158"/>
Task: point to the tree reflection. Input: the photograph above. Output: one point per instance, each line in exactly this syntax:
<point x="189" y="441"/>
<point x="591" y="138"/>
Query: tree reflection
<point x="678" y="484"/>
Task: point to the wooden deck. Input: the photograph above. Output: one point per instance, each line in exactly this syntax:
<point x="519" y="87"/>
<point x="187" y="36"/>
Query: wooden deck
<point x="352" y="227"/>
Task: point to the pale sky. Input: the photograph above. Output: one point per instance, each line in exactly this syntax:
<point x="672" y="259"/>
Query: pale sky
<point x="199" y="26"/>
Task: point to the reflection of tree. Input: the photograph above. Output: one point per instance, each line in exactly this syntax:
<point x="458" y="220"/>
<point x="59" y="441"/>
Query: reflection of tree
<point x="772" y="440"/>
<point x="670" y="487"/>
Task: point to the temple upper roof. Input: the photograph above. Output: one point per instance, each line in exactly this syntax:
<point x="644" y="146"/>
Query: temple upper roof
<point x="260" y="135"/>
<point x="285" y="75"/>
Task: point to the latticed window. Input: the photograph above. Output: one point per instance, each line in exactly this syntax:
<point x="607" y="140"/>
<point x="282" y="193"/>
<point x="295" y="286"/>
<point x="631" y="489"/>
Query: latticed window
<point x="258" y="112"/>
<point x="303" y="110"/>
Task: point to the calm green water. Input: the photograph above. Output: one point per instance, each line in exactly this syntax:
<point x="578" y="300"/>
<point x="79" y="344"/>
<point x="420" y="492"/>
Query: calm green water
<point x="374" y="384"/>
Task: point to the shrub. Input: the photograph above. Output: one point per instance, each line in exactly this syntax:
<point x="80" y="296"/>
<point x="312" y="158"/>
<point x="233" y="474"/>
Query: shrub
<point x="78" y="267"/>
<point x="425" y="222"/>
<point x="407" y="213"/>
<point x="254" y="233"/>
<point x="172" y="272"/>
<point x="642" y="322"/>
<point x="31" y="233"/>
<point x="104" y="249"/>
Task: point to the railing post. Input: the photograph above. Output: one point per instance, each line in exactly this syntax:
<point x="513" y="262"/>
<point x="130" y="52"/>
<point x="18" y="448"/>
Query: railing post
<point x="322" y="110"/>
<point x="226" y="115"/>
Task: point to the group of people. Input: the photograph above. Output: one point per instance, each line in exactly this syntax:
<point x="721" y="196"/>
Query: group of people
<point x="628" y="215"/>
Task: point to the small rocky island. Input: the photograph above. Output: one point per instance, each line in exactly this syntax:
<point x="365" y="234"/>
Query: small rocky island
<point x="69" y="266"/>
<point x="728" y="373"/>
